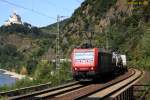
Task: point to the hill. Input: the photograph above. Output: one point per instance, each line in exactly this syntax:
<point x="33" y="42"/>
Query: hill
<point x="121" y="25"/>
<point x="23" y="46"/>
<point x="52" y="29"/>
<point x="30" y="51"/>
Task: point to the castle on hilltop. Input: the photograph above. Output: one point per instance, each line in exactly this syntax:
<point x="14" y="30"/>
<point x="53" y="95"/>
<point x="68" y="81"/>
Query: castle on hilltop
<point x="13" y="19"/>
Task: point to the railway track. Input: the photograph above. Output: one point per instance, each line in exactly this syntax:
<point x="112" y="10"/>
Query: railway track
<point x="115" y="90"/>
<point x="25" y="90"/>
<point x="32" y="94"/>
<point x="87" y="90"/>
<point x="76" y="90"/>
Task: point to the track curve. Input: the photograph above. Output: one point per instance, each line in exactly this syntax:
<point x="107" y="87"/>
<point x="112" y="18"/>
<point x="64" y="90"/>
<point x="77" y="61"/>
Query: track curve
<point x="75" y="90"/>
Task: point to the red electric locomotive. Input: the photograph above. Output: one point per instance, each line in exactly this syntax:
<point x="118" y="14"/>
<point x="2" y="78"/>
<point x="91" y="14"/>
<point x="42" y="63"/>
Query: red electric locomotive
<point x="91" y="63"/>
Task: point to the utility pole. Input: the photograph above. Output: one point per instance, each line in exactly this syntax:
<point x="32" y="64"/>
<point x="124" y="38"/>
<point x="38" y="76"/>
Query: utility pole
<point x="58" y="48"/>
<point x="107" y="44"/>
<point x="106" y="33"/>
<point x="57" y="44"/>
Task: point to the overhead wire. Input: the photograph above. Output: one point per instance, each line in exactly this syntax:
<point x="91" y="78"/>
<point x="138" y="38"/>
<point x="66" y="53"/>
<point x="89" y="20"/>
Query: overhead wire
<point x="29" y="9"/>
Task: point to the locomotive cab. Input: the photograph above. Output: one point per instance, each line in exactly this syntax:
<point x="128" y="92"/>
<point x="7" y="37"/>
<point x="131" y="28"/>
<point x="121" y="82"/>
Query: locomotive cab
<point x="91" y="63"/>
<point x="84" y="62"/>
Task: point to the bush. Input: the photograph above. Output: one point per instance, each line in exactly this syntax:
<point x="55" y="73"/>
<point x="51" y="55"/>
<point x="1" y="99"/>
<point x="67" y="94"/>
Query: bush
<point x="43" y="71"/>
<point x="25" y="29"/>
<point x="9" y="56"/>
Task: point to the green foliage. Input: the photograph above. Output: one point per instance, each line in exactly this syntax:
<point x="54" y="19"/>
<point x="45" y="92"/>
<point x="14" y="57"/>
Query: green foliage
<point x="126" y="33"/>
<point x="52" y="29"/>
<point x="14" y="55"/>
<point x="31" y="66"/>
<point x="44" y="44"/>
<point x="13" y="29"/>
<point x="9" y="56"/>
<point x="132" y="20"/>
<point x="101" y="6"/>
<point x="20" y="29"/>
<point x="43" y="71"/>
<point x="46" y="72"/>
<point x="145" y="44"/>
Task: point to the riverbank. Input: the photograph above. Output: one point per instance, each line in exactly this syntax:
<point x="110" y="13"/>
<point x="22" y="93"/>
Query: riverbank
<point x="13" y="74"/>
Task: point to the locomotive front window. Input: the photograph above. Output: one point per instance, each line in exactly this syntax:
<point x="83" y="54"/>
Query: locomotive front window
<point x="84" y="57"/>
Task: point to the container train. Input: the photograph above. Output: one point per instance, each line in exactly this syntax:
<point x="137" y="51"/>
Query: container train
<point x="91" y="63"/>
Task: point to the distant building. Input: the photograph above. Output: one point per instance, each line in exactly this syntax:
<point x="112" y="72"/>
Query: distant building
<point x="14" y="19"/>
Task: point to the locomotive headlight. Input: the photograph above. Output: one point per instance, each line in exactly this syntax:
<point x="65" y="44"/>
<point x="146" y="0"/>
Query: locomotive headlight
<point x="75" y="68"/>
<point x="92" y="68"/>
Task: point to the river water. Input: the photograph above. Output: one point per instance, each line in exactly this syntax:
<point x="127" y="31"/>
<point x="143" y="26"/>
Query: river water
<point x="6" y="79"/>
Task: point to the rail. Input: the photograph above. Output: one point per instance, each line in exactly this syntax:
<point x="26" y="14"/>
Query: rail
<point x="84" y="91"/>
<point x="77" y="90"/>
<point x="120" y="91"/>
<point x="30" y="95"/>
<point x="25" y="90"/>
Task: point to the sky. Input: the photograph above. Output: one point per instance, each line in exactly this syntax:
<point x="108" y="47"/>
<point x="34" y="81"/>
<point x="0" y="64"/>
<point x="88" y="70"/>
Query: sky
<point x="38" y="12"/>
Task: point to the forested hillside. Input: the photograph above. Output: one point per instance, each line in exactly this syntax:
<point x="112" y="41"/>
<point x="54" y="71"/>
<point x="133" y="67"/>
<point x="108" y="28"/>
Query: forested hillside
<point x="125" y="24"/>
<point x="22" y="47"/>
<point x="29" y="51"/>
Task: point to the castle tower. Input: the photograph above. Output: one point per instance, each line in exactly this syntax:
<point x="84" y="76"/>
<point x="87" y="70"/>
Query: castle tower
<point x="13" y="19"/>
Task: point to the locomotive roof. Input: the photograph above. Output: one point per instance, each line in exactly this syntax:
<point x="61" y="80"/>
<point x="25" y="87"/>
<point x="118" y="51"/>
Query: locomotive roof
<point x="100" y="50"/>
